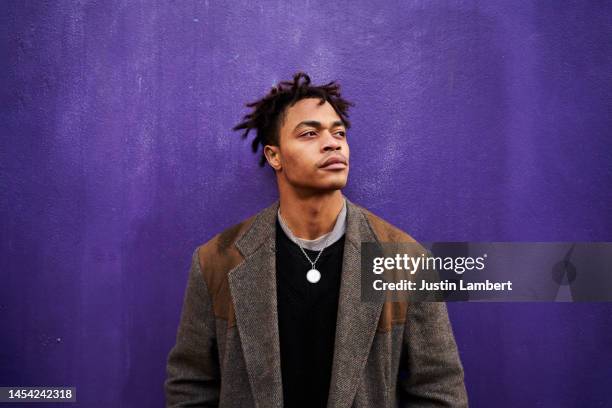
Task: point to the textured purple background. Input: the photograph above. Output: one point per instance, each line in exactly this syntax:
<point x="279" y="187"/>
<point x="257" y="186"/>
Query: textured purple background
<point x="485" y="121"/>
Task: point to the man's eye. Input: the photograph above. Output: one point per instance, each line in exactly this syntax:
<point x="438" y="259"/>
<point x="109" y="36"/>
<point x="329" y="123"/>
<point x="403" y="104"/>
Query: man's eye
<point x="342" y="133"/>
<point x="309" y="132"/>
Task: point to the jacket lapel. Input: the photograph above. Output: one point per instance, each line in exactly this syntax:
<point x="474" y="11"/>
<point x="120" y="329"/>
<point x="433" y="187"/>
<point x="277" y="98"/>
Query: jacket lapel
<point x="357" y="320"/>
<point x="253" y="289"/>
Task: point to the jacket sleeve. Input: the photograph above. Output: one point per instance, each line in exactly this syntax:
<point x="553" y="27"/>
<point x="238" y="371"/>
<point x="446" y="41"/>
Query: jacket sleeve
<point x="192" y="371"/>
<point x="431" y="373"/>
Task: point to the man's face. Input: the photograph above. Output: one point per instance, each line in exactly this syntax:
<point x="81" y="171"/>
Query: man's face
<point x="310" y="136"/>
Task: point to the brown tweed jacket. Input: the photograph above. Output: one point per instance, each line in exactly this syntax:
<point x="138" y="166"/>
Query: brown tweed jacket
<point x="227" y="347"/>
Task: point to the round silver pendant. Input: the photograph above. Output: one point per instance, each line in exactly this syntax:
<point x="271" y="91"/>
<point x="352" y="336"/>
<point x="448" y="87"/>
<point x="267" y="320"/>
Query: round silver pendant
<point x="313" y="276"/>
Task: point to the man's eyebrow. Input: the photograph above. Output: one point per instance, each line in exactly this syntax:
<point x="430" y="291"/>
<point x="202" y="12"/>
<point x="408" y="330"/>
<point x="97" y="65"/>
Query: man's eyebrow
<point x="317" y="124"/>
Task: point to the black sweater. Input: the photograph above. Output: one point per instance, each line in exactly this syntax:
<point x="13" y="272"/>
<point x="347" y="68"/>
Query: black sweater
<point x="306" y="320"/>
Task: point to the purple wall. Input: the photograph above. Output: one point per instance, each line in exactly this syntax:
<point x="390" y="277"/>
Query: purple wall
<point x="473" y="121"/>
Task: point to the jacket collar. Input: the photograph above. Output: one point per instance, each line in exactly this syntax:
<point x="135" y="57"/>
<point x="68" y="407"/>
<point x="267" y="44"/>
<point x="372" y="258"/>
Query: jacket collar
<point x="253" y="290"/>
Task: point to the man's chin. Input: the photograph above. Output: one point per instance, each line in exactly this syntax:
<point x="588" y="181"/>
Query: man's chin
<point x="322" y="184"/>
<point x="332" y="185"/>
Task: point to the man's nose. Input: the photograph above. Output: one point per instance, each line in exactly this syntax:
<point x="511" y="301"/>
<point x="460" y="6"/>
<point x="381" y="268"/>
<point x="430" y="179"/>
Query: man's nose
<point x="330" y="142"/>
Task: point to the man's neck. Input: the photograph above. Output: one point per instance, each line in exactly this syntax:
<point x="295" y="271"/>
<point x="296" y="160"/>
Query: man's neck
<point x="310" y="216"/>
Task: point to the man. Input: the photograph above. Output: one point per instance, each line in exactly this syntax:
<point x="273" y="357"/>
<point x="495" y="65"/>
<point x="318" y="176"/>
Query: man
<point x="272" y="314"/>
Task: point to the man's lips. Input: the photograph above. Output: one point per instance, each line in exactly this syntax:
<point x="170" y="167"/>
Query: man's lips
<point x="334" y="166"/>
<point x="334" y="162"/>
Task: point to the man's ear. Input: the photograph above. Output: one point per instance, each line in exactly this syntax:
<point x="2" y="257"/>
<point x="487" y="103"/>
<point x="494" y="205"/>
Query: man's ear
<point x="272" y="154"/>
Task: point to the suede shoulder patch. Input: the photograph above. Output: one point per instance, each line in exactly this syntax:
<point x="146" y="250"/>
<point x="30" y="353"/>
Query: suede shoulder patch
<point x="217" y="257"/>
<point x="393" y="313"/>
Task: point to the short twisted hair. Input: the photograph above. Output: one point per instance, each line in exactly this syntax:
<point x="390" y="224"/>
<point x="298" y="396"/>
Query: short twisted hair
<point x="269" y="112"/>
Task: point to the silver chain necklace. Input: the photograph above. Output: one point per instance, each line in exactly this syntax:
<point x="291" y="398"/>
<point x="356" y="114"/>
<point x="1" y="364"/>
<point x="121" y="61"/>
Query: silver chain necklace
<point x="313" y="275"/>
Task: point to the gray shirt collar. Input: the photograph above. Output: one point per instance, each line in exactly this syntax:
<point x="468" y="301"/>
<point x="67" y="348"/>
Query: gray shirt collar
<point x="317" y="244"/>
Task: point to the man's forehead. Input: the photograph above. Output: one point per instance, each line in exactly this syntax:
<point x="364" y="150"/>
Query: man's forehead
<point x="309" y="109"/>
